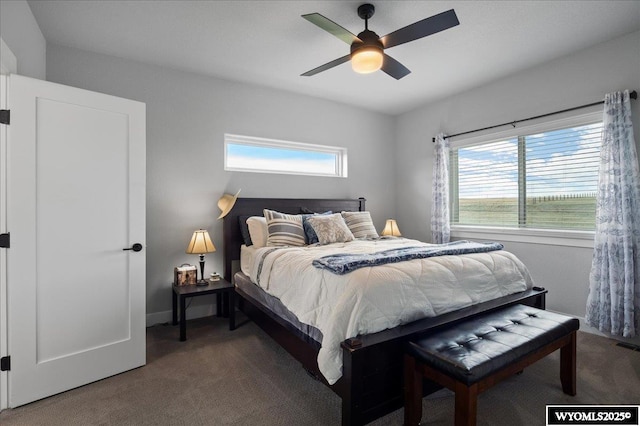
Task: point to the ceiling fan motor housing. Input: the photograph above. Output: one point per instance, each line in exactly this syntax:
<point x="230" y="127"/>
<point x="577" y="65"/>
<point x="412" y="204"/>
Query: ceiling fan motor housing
<point x="369" y="40"/>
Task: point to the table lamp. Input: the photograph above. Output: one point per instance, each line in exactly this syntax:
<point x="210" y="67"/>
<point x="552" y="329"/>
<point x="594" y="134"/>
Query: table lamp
<point x="391" y="228"/>
<point x="201" y="244"/>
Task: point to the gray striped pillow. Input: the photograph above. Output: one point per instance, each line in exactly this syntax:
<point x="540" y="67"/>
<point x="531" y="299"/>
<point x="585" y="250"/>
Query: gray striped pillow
<point x="360" y="224"/>
<point x="284" y="229"/>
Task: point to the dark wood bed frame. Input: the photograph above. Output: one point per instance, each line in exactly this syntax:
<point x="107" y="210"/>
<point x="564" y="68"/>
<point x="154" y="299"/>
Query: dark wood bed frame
<point x="371" y="385"/>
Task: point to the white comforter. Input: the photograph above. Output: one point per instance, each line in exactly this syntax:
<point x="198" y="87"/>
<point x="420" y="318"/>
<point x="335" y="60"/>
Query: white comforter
<point x="376" y="298"/>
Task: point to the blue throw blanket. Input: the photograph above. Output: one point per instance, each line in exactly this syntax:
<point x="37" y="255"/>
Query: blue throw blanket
<point x="344" y="263"/>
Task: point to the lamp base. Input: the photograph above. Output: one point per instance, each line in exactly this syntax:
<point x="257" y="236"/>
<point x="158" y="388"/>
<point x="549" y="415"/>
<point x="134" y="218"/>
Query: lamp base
<point x="202" y="282"/>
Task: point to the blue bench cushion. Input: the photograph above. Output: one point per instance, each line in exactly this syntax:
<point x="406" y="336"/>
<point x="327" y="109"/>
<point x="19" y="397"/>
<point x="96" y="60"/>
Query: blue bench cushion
<point x="477" y="348"/>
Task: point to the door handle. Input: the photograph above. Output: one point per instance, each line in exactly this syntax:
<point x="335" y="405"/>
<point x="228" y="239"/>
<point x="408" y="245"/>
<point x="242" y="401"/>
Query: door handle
<point x="135" y="247"/>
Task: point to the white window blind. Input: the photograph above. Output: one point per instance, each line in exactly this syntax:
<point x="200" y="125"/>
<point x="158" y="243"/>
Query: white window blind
<point x="545" y="180"/>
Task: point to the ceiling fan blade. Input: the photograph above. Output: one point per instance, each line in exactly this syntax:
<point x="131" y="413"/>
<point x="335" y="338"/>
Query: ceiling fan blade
<point x="331" y="27"/>
<point x="394" y="68"/>
<point x="428" y="26"/>
<point x="327" y="66"/>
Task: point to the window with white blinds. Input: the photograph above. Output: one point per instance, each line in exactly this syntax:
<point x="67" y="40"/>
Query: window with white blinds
<point x="543" y="180"/>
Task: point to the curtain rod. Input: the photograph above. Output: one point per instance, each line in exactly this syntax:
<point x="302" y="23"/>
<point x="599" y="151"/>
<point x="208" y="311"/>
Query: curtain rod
<point x="632" y="95"/>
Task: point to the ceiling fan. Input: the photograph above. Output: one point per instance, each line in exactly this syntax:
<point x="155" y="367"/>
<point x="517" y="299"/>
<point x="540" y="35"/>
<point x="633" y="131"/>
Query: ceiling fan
<point x="367" y="48"/>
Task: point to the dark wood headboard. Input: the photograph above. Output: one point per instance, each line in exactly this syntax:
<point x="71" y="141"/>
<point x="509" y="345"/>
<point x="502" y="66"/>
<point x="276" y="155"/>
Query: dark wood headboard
<point x="254" y="206"/>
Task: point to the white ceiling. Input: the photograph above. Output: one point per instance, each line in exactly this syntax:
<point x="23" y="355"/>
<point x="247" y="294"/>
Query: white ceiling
<point x="268" y="43"/>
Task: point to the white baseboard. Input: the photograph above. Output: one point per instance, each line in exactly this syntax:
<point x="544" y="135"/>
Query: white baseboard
<point x="193" y="312"/>
<point x="588" y="329"/>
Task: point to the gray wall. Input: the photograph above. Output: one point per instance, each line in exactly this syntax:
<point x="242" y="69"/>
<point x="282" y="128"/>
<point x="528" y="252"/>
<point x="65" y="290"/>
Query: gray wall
<point x="20" y="31"/>
<point x="577" y="79"/>
<point x="187" y="116"/>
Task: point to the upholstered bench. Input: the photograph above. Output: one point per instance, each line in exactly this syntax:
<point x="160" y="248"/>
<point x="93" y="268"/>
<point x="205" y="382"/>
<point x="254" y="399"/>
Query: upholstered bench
<point x="474" y="355"/>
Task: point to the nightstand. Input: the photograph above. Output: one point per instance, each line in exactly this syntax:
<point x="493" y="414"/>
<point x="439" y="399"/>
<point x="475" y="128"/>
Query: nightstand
<point x="225" y="305"/>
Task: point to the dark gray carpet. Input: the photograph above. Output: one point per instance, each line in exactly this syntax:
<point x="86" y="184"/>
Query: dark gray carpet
<point x="241" y="377"/>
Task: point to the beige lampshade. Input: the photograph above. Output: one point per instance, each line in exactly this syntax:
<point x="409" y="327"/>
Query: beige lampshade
<point x="200" y="243"/>
<point x="391" y="228"/>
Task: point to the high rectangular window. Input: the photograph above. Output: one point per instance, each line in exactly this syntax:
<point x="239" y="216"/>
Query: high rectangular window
<point x="251" y="154"/>
<point x="542" y="180"/>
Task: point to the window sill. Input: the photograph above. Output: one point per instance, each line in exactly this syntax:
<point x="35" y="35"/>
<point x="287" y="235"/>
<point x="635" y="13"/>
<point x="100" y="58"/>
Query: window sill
<point x="530" y="236"/>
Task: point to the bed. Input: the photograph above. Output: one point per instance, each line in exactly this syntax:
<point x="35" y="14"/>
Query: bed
<point x="370" y="384"/>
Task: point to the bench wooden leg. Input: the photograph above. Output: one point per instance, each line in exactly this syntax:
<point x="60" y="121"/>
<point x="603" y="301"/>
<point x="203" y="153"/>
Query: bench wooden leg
<point x="466" y="404"/>
<point x="412" y="392"/>
<point x="568" y="366"/>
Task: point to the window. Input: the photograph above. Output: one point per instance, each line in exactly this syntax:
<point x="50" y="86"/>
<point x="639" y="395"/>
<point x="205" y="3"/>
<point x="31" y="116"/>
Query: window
<point x="250" y="154"/>
<point x="545" y="179"/>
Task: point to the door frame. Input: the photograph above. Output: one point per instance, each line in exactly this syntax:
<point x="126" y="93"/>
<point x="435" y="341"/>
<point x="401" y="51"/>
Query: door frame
<point x="8" y="65"/>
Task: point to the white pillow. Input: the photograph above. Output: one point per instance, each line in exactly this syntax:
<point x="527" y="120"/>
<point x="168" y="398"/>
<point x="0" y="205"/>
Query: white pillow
<point x="258" y="230"/>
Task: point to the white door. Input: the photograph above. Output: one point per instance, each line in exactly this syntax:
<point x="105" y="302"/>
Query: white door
<point x="75" y="200"/>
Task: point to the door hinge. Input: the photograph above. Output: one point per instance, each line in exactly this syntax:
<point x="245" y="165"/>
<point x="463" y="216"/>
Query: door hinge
<point x="5" y="116"/>
<point x="5" y="240"/>
<point x="5" y="363"/>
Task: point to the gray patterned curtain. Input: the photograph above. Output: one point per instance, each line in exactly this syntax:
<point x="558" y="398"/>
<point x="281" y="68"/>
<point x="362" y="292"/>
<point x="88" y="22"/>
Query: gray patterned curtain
<point x="440" y="228"/>
<point x="613" y="305"/>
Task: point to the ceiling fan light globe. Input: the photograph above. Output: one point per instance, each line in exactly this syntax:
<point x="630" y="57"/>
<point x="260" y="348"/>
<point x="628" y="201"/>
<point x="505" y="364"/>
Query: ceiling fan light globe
<point x="367" y="59"/>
